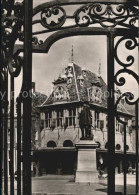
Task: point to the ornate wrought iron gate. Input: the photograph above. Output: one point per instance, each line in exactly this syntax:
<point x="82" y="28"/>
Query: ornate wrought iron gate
<point x="115" y="18"/>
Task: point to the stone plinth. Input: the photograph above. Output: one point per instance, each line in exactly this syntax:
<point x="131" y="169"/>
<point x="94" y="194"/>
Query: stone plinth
<point x="86" y="162"/>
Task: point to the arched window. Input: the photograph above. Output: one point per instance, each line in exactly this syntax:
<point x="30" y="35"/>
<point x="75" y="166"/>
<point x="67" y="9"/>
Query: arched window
<point x="67" y="143"/>
<point x="51" y="144"/>
<point x="118" y="147"/>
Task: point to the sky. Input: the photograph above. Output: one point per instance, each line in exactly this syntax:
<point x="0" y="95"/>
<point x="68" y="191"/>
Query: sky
<point x="89" y="51"/>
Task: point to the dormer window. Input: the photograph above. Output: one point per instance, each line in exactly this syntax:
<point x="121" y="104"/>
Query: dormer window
<point x="59" y="93"/>
<point x="95" y="94"/>
<point x="69" y="78"/>
<point x="84" y="72"/>
<point x="81" y="80"/>
<point x="59" y="96"/>
<point x="69" y="69"/>
<point x="97" y="82"/>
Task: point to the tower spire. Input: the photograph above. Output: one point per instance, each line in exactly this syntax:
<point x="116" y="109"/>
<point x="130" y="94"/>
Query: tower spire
<point x="72" y="55"/>
<point x="99" y="71"/>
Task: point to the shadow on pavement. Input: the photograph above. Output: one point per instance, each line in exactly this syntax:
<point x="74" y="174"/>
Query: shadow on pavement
<point x="102" y="190"/>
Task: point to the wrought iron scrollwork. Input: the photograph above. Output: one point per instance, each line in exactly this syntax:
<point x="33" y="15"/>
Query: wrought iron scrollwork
<point x="130" y="44"/>
<point x="3" y="74"/>
<point x="106" y="15"/>
<point x="7" y="6"/>
<point x="112" y="15"/>
<point x="11" y="31"/>
<point x="129" y="99"/>
<point x="15" y="66"/>
<point x="53" y="18"/>
<point x="35" y="41"/>
<point x="82" y="17"/>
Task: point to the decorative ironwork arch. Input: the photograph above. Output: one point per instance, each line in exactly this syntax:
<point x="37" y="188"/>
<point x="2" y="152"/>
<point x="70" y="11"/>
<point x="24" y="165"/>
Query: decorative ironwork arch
<point x="115" y="18"/>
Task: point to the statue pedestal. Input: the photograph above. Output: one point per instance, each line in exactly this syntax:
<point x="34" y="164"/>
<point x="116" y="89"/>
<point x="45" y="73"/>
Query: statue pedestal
<point x="86" y="163"/>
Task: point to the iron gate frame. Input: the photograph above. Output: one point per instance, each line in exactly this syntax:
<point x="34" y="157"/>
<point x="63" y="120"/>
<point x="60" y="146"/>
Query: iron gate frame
<point x="12" y="64"/>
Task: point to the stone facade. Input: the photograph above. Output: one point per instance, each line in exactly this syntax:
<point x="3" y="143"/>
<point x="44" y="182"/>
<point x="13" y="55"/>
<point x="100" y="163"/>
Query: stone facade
<point x="60" y="112"/>
<point x="59" y="129"/>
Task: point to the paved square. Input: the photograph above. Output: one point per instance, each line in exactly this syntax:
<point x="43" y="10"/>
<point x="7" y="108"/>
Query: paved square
<point x="65" y="185"/>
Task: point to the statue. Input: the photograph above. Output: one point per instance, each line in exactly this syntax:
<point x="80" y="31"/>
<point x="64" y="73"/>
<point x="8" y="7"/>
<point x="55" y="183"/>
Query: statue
<point x="85" y="121"/>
